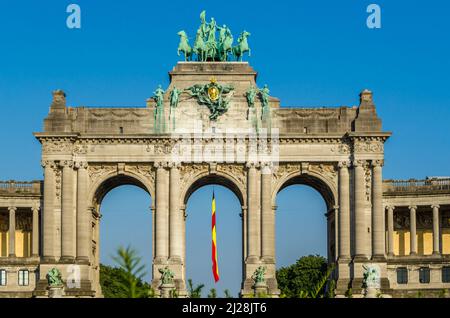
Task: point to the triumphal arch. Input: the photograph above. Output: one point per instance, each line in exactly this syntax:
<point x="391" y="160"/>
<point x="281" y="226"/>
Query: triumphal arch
<point x="214" y="124"/>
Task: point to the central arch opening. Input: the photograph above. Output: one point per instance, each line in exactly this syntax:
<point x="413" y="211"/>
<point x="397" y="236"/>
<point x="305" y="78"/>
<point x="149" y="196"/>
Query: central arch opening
<point x="198" y="201"/>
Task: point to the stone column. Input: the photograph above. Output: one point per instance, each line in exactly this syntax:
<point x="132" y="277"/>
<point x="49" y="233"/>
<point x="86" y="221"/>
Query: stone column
<point x="359" y="197"/>
<point x="67" y="213"/>
<point x="35" y="239"/>
<point x="378" y="227"/>
<point x="162" y="214"/>
<point x="252" y="215"/>
<point x="412" y="232"/>
<point x="48" y="213"/>
<point x="344" y="211"/>
<point x="436" y="234"/>
<point x="83" y="215"/>
<point x="175" y="220"/>
<point x="12" y="231"/>
<point x="268" y="216"/>
<point x="390" y="218"/>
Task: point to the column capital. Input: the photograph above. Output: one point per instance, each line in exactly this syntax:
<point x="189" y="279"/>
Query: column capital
<point x="266" y="167"/>
<point x="12" y="209"/>
<point x="160" y="164"/>
<point x="359" y="163"/>
<point x="80" y="165"/>
<point x="343" y="164"/>
<point x="412" y="207"/>
<point x="437" y="206"/>
<point x="48" y="164"/>
<point x="35" y="209"/>
<point x="390" y="207"/>
<point x="174" y="164"/>
<point x="66" y="163"/>
<point x="252" y="164"/>
<point x="377" y="163"/>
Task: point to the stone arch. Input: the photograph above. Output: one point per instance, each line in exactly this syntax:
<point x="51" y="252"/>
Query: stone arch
<point x="317" y="181"/>
<point x="110" y="180"/>
<point x="221" y="178"/>
<point x="102" y="185"/>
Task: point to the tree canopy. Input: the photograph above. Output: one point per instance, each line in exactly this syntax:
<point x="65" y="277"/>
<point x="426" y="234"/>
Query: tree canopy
<point x="302" y="277"/>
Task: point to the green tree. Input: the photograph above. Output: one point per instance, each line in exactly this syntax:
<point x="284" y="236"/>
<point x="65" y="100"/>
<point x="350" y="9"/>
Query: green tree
<point x="133" y="272"/>
<point x="195" y="292"/>
<point x="212" y="293"/>
<point x="306" y="278"/>
<point x="110" y="278"/>
<point x="227" y="294"/>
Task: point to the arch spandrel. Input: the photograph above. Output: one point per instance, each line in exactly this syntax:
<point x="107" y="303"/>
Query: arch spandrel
<point x="231" y="176"/>
<point x="320" y="176"/>
<point x="104" y="178"/>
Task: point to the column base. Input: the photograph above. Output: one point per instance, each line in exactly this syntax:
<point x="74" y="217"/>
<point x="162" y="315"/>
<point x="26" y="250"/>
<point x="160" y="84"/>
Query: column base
<point x="412" y="253"/>
<point x="436" y="253"/>
<point x="12" y="255"/>
<point x="378" y="258"/>
<point x="67" y="259"/>
<point x="160" y="260"/>
<point x="48" y="260"/>
<point x="360" y="258"/>
<point x="82" y="260"/>
<point x="251" y="259"/>
<point x="175" y="260"/>
<point x="268" y="260"/>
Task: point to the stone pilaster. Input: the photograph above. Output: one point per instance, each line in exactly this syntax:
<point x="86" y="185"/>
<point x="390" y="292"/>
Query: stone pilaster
<point x="83" y="214"/>
<point x="268" y="217"/>
<point x="436" y="234"/>
<point x="35" y="232"/>
<point x="343" y="229"/>
<point x="253" y="219"/>
<point x="390" y="218"/>
<point x="344" y="211"/>
<point x="378" y="226"/>
<point x="412" y="231"/>
<point x="48" y="213"/>
<point x="359" y="197"/>
<point x="67" y="213"/>
<point x="175" y="219"/>
<point x="12" y="231"/>
<point x="162" y="214"/>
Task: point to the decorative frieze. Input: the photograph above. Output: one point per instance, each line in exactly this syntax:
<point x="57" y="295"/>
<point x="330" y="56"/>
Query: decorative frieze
<point x="56" y="145"/>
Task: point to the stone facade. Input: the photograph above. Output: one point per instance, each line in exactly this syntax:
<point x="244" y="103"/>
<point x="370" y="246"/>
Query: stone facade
<point x="86" y="152"/>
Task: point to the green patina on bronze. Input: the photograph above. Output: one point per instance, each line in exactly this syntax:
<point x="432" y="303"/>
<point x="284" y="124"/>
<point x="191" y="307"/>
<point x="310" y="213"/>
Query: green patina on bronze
<point x="207" y="48"/>
<point x="54" y="278"/>
<point x="167" y="276"/>
<point x="158" y="96"/>
<point x="215" y="96"/>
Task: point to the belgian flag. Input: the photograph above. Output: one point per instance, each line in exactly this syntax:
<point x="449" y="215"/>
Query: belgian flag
<point x="215" y="265"/>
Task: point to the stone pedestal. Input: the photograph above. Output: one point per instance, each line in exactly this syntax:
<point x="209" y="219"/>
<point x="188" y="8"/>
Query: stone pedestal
<point x="371" y="292"/>
<point x="167" y="290"/>
<point x="261" y="289"/>
<point x="55" y="292"/>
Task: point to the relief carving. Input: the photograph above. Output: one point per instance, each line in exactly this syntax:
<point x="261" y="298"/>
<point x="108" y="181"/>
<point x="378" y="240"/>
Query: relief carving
<point x="237" y="171"/>
<point x="369" y="146"/>
<point x="142" y="170"/>
<point x="56" y="146"/>
<point x="368" y="181"/>
<point x="95" y="172"/>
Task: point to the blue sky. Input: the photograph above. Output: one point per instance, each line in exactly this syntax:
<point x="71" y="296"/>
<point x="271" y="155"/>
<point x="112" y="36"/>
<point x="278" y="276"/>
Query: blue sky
<point x="309" y="53"/>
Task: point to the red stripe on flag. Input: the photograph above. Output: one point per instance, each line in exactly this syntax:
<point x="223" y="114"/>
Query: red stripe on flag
<point x="215" y="267"/>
